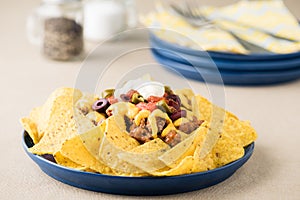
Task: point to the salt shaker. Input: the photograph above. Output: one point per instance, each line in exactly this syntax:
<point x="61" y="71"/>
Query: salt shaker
<point x="105" y="18"/>
<point x="57" y="27"/>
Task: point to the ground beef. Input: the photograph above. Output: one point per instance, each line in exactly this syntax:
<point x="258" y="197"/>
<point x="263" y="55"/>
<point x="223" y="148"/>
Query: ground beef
<point x="190" y="126"/>
<point x="128" y="96"/>
<point x="128" y="123"/>
<point x="161" y="123"/>
<point x="141" y="133"/>
<point x="125" y="98"/>
<point x="172" y="138"/>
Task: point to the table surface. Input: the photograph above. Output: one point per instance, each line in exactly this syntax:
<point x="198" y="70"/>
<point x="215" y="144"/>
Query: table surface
<point x="27" y="78"/>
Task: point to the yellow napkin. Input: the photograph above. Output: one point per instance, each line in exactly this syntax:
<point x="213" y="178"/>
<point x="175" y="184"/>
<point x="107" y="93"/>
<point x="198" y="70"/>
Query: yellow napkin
<point x="170" y="27"/>
<point x="268" y="15"/>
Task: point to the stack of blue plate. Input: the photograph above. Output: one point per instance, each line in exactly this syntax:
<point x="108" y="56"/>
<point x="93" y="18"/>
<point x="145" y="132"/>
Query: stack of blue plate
<point x="233" y="69"/>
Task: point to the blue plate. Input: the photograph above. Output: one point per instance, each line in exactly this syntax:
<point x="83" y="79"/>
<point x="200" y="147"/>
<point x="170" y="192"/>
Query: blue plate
<point x="136" y="185"/>
<point x="243" y="65"/>
<point x="228" y="77"/>
<point x="219" y="55"/>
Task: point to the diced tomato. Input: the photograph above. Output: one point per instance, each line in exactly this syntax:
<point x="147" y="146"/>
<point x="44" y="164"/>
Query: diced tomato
<point x="112" y="100"/>
<point x="147" y="106"/>
<point x="130" y="93"/>
<point x="154" y="99"/>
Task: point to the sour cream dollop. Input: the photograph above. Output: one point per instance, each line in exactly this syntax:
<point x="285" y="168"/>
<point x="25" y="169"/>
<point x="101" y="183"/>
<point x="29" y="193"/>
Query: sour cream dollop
<point x="145" y="86"/>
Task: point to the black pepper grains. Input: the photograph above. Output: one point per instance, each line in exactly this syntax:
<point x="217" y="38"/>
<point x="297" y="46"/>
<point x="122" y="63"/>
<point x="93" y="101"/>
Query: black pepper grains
<point x="63" y="38"/>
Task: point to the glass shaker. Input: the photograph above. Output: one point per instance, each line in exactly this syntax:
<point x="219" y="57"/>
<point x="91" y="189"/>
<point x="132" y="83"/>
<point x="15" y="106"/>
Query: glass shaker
<point x="105" y="19"/>
<point x="57" y="27"/>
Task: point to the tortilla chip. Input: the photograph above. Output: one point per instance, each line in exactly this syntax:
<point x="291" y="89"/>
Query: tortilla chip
<point x="119" y="173"/>
<point x="64" y="161"/>
<point x="202" y="155"/>
<point x="215" y="129"/>
<point x="116" y="141"/>
<point x="184" y="167"/>
<point x="146" y="156"/>
<point x="214" y="115"/>
<point x="96" y="117"/>
<point x="185" y="148"/>
<point x="75" y="150"/>
<point x="183" y="135"/>
<point x="35" y="116"/>
<point x="141" y="115"/>
<point x="185" y="96"/>
<point x="118" y="137"/>
<point x="186" y="92"/>
<point x="92" y="140"/>
<point x="221" y="121"/>
<point x="72" y="95"/>
<point x="203" y="164"/>
<point x="64" y="122"/>
<point x="189" y="114"/>
<point x="31" y="129"/>
<point x="203" y="109"/>
<point x="170" y="127"/>
<point x="121" y="109"/>
<point x="85" y="102"/>
<point x="240" y="131"/>
<point x="90" y="170"/>
<point x="180" y="121"/>
<point x="226" y="150"/>
<point x="152" y="120"/>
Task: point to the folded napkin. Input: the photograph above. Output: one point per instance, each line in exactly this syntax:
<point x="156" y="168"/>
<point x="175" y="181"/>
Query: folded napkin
<point x="247" y="19"/>
<point x="170" y="27"/>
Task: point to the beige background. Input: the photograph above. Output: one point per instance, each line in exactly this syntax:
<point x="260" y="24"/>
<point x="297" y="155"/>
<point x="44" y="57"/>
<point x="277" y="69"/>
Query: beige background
<point x="26" y="79"/>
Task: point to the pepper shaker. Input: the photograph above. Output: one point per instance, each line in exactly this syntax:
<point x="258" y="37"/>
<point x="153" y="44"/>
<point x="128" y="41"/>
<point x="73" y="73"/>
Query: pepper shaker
<point x="57" y="27"/>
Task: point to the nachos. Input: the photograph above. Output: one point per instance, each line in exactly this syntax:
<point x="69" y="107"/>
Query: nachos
<point x="142" y="129"/>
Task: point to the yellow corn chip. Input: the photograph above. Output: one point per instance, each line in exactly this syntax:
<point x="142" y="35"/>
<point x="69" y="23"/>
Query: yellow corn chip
<point x="185" y="148"/>
<point x="116" y="141"/>
<point x="184" y="167"/>
<point x="90" y="170"/>
<point x="170" y="127"/>
<point x="141" y="115"/>
<point x="35" y="117"/>
<point x="152" y="120"/>
<point x="180" y="121"/>
<point x="203" y="109"/>
<point x="221" y="121"/>
<point x="31" y="129"/>
<point x="71" y="96"/>
<point x="64" y="122"/>
<point x="146" y="156"/>
<point x="95" y="117"/>
<point x="203" y="164"/>
<point x="240" y="131"/>
<point x="92" y="140"/>
<point x="64" y="161"/>
<point x="75" y="150"/>
<point x="121" y="109"/>
<point x="226" y="150"/>
<point x="185" y="96"/>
